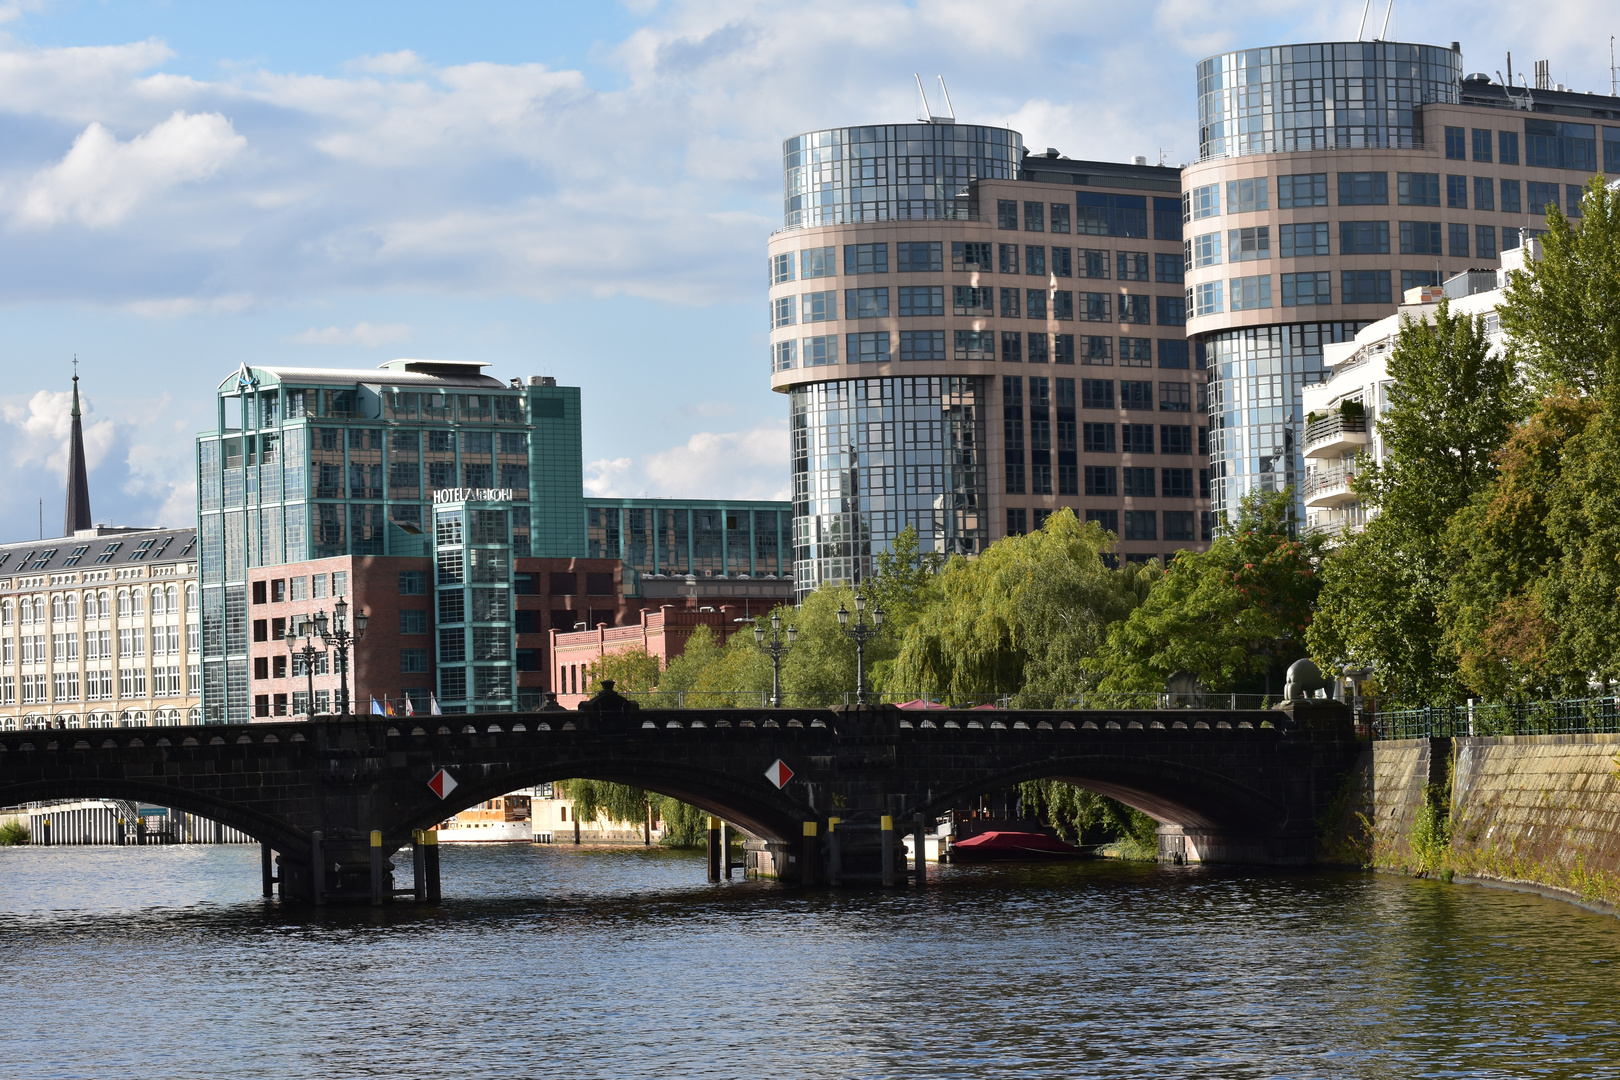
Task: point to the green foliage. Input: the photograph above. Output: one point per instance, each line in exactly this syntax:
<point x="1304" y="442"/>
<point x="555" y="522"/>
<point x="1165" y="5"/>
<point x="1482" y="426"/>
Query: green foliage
<point x="1453" y="404"/>
<point x="631" y="671"/>
<point x="1021" y="617"/>
<point x="684" y="825"/>
<point x="718" y="675"/>
<point x="1430" y="838"/>
<point x="1233" y="616"/>
<point x="13" y="833"/>
<point x="1085" y="817"/>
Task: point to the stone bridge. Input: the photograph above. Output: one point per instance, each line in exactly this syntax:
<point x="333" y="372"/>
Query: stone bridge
<point x="1226" y="786"/>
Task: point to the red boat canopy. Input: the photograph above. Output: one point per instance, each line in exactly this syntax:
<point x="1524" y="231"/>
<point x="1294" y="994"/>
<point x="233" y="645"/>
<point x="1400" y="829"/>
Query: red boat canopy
<point x="988" y="842"/>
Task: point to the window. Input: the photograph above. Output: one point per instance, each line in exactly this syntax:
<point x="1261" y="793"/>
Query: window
<point x="818" y="306"/>
<point x="1201" y="202"/>
<point x="1040" y="348"/>
<point x="1245" y="196"/>
<point x="1484" y="193"/>
<point x="1136" y="395"/>
<point x="1542" y="196"/>
<point x="1301" y="190"/>
<point x="1096" y="307"/>
<point x="1166" y="219"/>
<point x="783" y="311"/>
<point x="1178" y="524"/>
<point x="970" y="256"/>
<point x="1098" y="438"/>
<point x="1136" y="309"/>
<point x="1206" y="298"/>
<point x="1017" y="521"/>
<point x="781" y="268"/>
<point x="1507" y="145"/>
<point x="1138" y="438"/>
<point x="1007" y="256"/>
<point x="1175" y="397"/>
<point x="1510" y="238"/>
<point x="918" y="256"/>
<point x="413" y="660"/>
<point x="866" y="258"/>
<point x="1510" y="197"/>
<point x="1138" y="483"/>
<point x="1456" y="143"/>
<point x="1302" y="239"/>
<point x="1457" y="241"/>
<point x="1172" y="310"/>
<point x="975" y="344"/>
<point x="1135" y="351"/>
<point x="1457" y="192"/>
<point x="1006" y="213"/>
<point x="784" y="355"/>
<point x="1417" y="189"/>
<point x="1101" y="480"/>
<point x="1096" y="393"/>
<point x="298" y="587"/>
<point x="1063" y="304"/>
<point x="1364" y="286"/>
<point x="1177" y="484"/>
<point x="1173" y="352"/>
<point x="1169" y="268"/>
<point x="818" y="262"/>
<point x="1412" y="279"/>
<point x="1573" y="194"/>
<point x="1363" y="238"/>
<point x="1553" y="144"/>
<point x="1306" y="290"/>
<point x="972" y="300"/>
<point x="1110" y="215"/>
<point x="1485" y="241"/>
<point x="1363" y="189"/>
<point x="1062" y="349"/>
<point x="1012" y="346"/>
<point x="1420" y="238"/>
<point x="922" y="345"/>
<point x="867" y="348"/>
<point x="1248" y="245"/>
<point x="1133" y="265"/>
<point x="1482" y="144"/>
<point x="821" y="351"/>
<point x="1141" y="525"/>
<point x="1035" y="303"/>
<point x="1175" y="438"/>
<point x="918" y="300"/>
<point x="866" y="303"/>
<point x="1060" y="217"/>
<point x="1009" y="304"/>
<point x="1094" y="263"/>
<point x="1204" y="250"/>
<point x="1096" y="350"/>
<point x="1034" y="217"/>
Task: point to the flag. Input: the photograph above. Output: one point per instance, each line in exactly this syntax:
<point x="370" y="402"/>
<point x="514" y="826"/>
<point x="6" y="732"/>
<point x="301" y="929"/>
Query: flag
<point x="410" y="710"/>
<point x="376" y="709"/>
<point x="388" y="706"/>
<point x="433" y="706"/>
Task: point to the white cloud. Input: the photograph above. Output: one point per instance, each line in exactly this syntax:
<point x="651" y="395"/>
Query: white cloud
<point x="101" y="179"/>
<point x="751" y="464"/>
<point x="45" y="425"/>
<point x="367" y="334"/>
<point x="604" y="477"/>
<point x="404" y="62"/>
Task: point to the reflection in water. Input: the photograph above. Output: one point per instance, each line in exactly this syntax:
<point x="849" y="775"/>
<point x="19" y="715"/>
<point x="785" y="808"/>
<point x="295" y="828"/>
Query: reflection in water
<point x="163" y="963"/>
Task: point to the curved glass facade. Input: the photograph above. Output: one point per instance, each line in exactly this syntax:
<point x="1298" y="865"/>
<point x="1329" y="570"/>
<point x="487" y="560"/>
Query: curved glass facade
<point x="1254" y="406"/>
<point x="891" y="172"/>
<point x="1347" y="95"/>
<point x="871" y="456"/>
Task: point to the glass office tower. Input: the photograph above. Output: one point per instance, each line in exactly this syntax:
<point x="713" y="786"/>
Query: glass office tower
<point x="472" y="560"/>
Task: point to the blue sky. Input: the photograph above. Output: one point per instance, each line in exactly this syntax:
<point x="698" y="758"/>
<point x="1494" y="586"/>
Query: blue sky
<point x="580" y="190"/>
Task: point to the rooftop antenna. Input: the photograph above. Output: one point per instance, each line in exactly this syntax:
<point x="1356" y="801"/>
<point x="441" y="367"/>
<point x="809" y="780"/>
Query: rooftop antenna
<point x="948" y="107"/>
<point x="1387" y="12"/>
<point x="1614" y="72"/>
<point x="1363" y="25"/>
<point x="927" y="114"/>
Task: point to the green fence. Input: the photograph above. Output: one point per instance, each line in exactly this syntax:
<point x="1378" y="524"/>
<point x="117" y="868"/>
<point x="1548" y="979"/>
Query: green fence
<point x="1573" y="717"/>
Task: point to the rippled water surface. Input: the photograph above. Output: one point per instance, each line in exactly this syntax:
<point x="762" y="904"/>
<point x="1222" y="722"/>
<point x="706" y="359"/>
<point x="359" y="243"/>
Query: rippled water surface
<point x="162" y="962"/>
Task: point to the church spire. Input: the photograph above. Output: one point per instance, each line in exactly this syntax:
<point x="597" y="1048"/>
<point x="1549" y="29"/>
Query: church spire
<point x="77" y="515"/>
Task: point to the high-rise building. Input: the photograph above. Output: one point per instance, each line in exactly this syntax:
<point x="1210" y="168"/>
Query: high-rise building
<point x="971" y="337"/>
<point x="1332" y="179"/>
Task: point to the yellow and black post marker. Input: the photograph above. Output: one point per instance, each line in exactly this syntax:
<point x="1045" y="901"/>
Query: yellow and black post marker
<point x="887" y="824"/>
<point x="714" y="848"/>
<point x="430" y="863"/>
<point x="376" y="869"/>
<point x="807" y="857"/>
<point x="835" y="860"/>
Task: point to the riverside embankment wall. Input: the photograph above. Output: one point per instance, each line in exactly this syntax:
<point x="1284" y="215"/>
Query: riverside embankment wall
<point x="1537" y="810"/>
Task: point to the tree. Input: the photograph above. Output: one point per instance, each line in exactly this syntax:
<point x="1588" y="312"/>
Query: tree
<point x="1233" y="616"/>
<point x="1020" y="618"/>
<point x="632" y="671"/>
<point x="1562" y="312"/>
<point x="1453" y="403"/>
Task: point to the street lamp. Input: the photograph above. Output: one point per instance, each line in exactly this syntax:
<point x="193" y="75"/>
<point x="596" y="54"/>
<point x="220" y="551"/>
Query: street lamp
<point x="861" y="632"/>
<point x="306" y="630"/>
<point x="339" y="637"/>
<point x="775" y="650"/>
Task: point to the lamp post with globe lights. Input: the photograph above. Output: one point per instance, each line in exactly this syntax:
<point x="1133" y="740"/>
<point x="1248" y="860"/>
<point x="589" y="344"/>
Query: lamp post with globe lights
<point x="305" y="629"/>
<point x="776" y="650"/>
<point x="340" y="638"/>
<point x="860" y="632"/>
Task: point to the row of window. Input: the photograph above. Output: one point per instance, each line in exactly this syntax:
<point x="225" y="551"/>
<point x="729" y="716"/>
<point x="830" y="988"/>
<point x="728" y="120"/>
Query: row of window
<point x="928" y="301"/>
<point x="97" y="685"/>
<point x="1548" y="144"/>
<point x="1139" y="524"/>
<point x="1372" y="189"/>
<point x="1016" y="347"/>
<point x="1173" y="439"/>
<point x="1097" y="214"/>
<point x="64" y="607"/>
<point x="97" y="645"/>
<point x="316" y="587"/>
<point x="1134" y="394"/>
<point x="1308" y="239"/>
<point x="1307" y="289"/>
<point x="972" y="257"/>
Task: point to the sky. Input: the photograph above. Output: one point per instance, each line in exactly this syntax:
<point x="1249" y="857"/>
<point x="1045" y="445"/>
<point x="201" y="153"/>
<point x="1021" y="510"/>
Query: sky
<point x="576" y="190"/>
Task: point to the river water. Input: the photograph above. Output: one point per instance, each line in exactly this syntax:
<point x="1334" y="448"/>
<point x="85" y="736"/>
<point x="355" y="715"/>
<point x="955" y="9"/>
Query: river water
<point x="557" y="962"/>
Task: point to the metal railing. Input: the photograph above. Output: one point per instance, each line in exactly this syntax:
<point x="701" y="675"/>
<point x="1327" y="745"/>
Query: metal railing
<point x="1578" y="716"/>
<point x="759" y="699"/>
<point x="1332" y="427"/>
<point x="1322" y="479"/>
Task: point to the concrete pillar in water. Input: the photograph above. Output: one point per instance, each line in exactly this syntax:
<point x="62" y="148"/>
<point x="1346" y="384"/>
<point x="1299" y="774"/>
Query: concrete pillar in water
<point x="919" y="866"/>
<point x="714" y="848"/>
<point x="376" y="869"/>
<point x="430" y="864"/>
<point x="807" y="857"/>
<point x="418" y="866"/>
<point x="725" y="850"/>
<point x="267" y="870"/>
<point x="887" y="825"/>
<point x="835" y="861"/>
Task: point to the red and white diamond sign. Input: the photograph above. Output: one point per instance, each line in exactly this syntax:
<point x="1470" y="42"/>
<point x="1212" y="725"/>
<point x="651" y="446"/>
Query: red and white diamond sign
<point x="442" y="783"/>
<point x="779" y="774"/>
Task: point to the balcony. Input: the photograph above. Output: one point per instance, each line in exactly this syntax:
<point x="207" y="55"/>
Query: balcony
<point x="1335" y="436"/>
<point x="1329" y="486"/>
